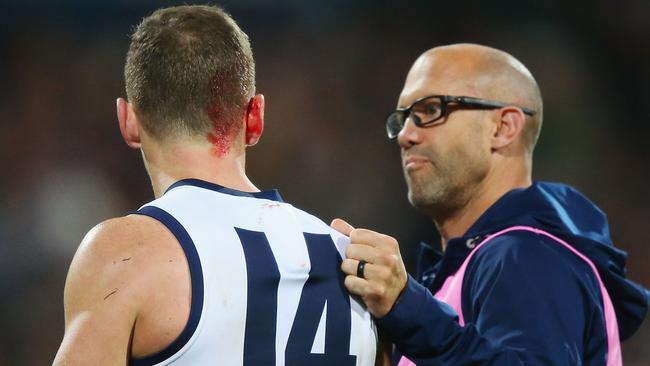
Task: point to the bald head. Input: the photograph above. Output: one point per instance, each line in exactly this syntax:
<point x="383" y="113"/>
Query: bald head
<point x="479" y="71"/>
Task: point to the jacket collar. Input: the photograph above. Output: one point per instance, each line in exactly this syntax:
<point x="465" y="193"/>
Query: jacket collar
<point x="544" y="205"/>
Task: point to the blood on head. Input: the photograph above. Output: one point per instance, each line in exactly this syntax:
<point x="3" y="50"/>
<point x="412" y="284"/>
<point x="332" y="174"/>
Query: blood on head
<point x="224" y="130"/>
<point x="224" y="125"/>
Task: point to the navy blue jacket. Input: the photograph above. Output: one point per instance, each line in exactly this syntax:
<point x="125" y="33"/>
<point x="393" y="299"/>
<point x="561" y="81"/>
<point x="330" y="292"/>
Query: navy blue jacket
<point x="525" y="298"/>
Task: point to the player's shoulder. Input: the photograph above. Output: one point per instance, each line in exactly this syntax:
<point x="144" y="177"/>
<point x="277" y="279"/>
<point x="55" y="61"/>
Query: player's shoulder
<point x="128" y="234"/>
<point x="127" y="249"/>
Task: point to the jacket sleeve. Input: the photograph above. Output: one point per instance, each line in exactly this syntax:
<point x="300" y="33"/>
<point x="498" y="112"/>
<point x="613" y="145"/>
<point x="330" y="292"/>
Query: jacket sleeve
<point x="525" y="303"/>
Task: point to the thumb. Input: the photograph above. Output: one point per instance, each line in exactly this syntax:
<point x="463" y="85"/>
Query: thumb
<point x="341" y="226"/>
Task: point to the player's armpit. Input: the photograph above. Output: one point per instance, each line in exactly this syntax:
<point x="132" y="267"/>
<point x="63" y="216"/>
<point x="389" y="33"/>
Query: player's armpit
<point x="102" y="296"/>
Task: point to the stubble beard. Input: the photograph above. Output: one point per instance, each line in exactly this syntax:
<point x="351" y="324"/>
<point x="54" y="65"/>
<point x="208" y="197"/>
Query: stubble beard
<point x="443" y="188"/>
<point x="432" y="191"/>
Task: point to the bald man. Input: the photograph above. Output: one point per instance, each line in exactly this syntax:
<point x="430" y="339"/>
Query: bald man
<point x="526" y="272"/>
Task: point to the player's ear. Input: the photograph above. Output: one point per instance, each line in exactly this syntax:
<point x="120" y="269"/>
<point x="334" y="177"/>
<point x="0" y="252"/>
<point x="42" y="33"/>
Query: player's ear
<point x="509" y="126"/>
<point x="129" y="124"/>
<point x="254" y="119"/>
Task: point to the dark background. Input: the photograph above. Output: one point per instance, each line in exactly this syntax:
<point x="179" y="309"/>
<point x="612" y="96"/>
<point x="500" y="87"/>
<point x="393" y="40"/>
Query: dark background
<point x="330" y="70"/>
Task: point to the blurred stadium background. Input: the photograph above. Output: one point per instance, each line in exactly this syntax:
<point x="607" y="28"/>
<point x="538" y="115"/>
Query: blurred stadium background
<point x="330" y="70"/>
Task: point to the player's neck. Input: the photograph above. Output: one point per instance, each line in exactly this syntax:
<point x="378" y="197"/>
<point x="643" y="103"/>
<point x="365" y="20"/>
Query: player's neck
<point x="173" y="162"/>
<point x="495" y="185"/>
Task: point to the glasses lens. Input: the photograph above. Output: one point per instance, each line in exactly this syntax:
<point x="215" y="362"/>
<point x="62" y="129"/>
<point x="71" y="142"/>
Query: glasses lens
<point x="427" y="110"/>
<point x="394" y="124"/>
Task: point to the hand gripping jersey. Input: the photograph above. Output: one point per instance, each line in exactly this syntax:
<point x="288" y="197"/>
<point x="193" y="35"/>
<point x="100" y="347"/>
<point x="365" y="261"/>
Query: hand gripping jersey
<point x="267" y="288"/>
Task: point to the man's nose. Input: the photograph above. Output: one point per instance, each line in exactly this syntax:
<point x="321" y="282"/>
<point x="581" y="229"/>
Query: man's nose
<point x="409" y="135"/>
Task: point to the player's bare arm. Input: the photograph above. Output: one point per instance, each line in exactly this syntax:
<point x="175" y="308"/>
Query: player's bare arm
<point x="119" y="300"/>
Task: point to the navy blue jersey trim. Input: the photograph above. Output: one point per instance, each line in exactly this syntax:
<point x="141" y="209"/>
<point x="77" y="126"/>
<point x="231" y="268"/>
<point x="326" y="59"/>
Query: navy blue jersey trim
<point x="271" y="194"/>
<point x="196" y="277"/>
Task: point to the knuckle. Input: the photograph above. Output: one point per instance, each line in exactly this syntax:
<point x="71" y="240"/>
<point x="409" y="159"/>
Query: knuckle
<point x="363" y="236"/>
<point x="348" y="281"/>
<point x="385" y="274"/>
<point x="354" y="251"/>
<point x="383" y="258"/>
<point x="394" y="262"/>
<point x="356" y="234"/>
<point x="346" y="264"/>
<point x="392" y="242"/>
<point x="381" y="292"/>
<point x="349" y="251"/>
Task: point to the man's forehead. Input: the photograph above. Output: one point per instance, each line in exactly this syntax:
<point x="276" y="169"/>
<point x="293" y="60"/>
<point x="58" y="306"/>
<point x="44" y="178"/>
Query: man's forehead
<point x="433" y="75"/>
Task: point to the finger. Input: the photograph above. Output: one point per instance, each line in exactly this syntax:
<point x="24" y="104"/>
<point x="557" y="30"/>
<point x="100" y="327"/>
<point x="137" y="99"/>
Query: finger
<point x="357" y="286"/>
<point x="362" y="252"/>
<point x="341" y="226"/>
<point x="350" y="266"/>
<point x="374" y="255"/>
<point x="372" y="238"/>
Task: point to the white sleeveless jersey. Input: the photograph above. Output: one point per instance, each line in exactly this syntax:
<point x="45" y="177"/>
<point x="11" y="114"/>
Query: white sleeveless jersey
<point x="267" y="288"/>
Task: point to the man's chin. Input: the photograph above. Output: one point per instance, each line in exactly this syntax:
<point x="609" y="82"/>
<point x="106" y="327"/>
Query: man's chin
<point x="420" y="203"/>
<point x="432" y="206"/>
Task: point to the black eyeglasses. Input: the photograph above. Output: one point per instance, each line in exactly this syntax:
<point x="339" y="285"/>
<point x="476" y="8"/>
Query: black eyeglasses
<point x="430" y="111"/>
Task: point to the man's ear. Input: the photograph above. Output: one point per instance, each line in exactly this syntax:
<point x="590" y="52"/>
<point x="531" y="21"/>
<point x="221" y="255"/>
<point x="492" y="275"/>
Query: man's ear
<point x="129" y="124"/>
<point x="254" y="119"/>
<point x="509" y="127"/>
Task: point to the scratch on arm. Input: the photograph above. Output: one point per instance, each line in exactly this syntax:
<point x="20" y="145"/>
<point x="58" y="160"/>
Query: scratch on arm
<point x="111" y="293"/>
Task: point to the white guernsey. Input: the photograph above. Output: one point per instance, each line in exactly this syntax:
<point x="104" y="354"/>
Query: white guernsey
<point x="266" y="284"/>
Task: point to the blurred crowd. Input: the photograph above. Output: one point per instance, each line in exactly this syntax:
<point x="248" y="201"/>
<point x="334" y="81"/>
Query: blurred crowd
<point x="330" y="71"/>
